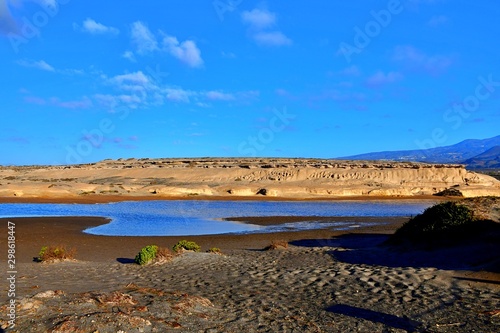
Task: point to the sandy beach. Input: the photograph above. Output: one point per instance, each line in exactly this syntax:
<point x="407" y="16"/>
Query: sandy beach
<point x="325" y="281"/>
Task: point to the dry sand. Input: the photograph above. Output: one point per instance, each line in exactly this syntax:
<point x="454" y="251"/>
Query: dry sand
<point x="325" y="281"/>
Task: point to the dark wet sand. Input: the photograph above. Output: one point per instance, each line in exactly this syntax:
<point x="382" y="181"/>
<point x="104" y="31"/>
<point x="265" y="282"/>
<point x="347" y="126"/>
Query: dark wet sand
<point x="33" y="233"/>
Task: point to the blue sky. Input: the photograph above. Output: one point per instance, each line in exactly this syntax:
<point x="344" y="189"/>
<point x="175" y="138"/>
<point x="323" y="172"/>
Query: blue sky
<point x="88" y="80"/>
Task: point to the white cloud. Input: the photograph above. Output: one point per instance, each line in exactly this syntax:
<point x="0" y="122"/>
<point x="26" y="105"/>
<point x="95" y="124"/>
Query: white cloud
<point x="92" y="27"/>
<point x="41" y="64"/>
<point x="259" y="22"/>
<point x="143" y="39"/>
<point x="273" y="38"/>
<point x="219" y="96"/>
<point x="259" y="19"/>
<point x="381" y="78"/>
<point x="135" y="83"/>
<point x="187" y="51"/>
<point x="129" y="55"/>
<point x="146" y="42"/>
<point x="178" y="94"/>
<point x="132" y="78"/>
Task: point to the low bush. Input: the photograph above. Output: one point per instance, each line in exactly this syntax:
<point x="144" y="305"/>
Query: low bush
<point x="440" y="223"/>
<point x="215" y="250"/>
<point x="186" y="245"/>
<point x="153" y="254"/>
<point x="146" y="255"/>
<point x="55" y="253"/>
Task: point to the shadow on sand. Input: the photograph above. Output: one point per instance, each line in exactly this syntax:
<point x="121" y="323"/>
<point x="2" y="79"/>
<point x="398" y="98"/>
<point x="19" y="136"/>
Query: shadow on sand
<point x="377" y="317"/>
<point x="125" y="260"/>
<point x="479" y="254"/>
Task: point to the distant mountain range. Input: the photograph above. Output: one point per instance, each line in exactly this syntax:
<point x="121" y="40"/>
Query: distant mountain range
<point x="475" y="154"/>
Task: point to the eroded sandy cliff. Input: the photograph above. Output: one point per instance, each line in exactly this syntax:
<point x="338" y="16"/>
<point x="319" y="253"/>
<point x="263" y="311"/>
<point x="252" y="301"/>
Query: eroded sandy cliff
<point x="285" y="178"/>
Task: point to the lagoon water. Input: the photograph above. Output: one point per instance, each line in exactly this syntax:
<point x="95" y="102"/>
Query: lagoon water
<point x="193" y="217"/>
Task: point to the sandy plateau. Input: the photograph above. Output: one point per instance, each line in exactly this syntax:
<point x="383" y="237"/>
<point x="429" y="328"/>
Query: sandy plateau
<point x="241" y="178"/>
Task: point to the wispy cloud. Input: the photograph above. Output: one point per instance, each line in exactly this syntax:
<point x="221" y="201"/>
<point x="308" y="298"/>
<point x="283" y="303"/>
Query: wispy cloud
<point x="219" y="96"/>
<point x="129" y="55"/>
<point x="35" y="100"/>
<point x="413" y="58"/>
<point x="380" y="78"/>
<point x="111" y="102"/>
<point x="273" y="38"/>
<point x="259" y="19"/>
<point x="41" y="64"/>
<point x="143" y="38"/>
<point x="259" y="22"/>
<point x="44" y="66"/>
<point x="185" y="51"/>
<point x="131" y="78"/>
<point x="136" y="82"/>
<point x="351" y="71"/>
<point x="437" y="21"/>
<point x="146" y="42"/>
<point x="92" y="27"/>
<point x="83" y="103"/>
<point x="178" y="95"/>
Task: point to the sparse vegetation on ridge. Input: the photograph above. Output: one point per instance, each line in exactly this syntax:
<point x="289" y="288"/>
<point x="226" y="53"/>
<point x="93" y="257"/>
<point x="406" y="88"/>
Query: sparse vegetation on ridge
<point x="437" y="224"/>
<point x="186" y="245"/>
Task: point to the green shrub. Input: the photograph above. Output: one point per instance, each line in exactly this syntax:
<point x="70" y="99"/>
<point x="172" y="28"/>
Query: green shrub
<point x="186" y="245"/>
<point x="441" y="222"/>
<point x="146" y="255"/>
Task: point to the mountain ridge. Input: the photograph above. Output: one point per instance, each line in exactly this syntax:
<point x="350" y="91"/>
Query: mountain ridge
<point x="463" y="152"/>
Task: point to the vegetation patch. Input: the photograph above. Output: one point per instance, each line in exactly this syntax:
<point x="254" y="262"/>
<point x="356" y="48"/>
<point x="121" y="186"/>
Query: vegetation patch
<point x="146" y="255"/>
<point x="186" y="245"/>
<point x="153" y="254"/>
<point x="214" y="250"/>
<point x="449" y="192"/>
<point x="441" y="224"/>
<point x="55" y="253"/>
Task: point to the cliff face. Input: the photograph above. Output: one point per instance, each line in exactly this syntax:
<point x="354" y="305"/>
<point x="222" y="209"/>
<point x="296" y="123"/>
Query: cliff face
<point x="287" y="178"/>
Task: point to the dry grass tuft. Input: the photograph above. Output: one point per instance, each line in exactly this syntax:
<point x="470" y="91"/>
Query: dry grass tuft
<point x="277" y="244"/>
<point x="163" y="255"/>
<point x="55" y="253"/>
<point x="115" y="298"/>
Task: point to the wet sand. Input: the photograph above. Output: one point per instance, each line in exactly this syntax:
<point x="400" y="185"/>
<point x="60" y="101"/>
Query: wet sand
<point x="33" y="233"/>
